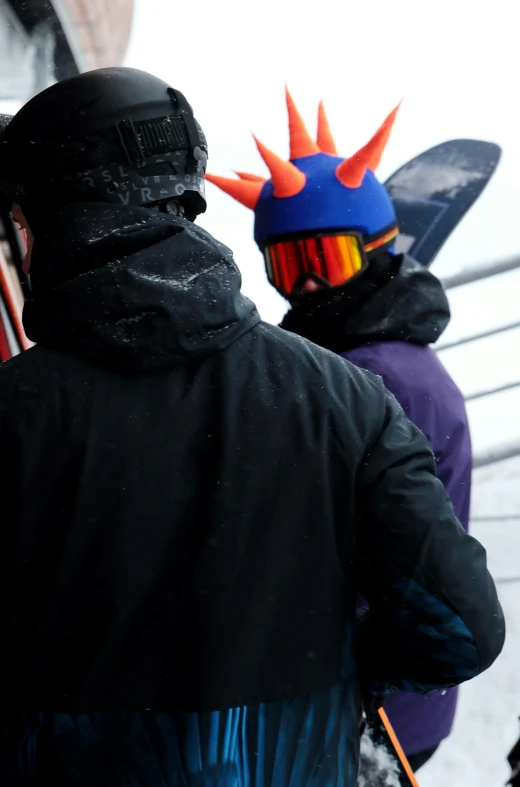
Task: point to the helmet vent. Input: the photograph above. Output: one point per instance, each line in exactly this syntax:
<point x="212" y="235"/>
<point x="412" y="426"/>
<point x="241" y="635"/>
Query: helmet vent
<point x="162" y="135"/>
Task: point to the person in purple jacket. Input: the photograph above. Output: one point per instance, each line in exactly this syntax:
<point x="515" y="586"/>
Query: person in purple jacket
<point x="326" y="227"/>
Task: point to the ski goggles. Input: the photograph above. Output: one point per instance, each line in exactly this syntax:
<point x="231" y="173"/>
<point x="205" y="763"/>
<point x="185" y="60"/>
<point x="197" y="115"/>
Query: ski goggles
<point x="331" y="258"/>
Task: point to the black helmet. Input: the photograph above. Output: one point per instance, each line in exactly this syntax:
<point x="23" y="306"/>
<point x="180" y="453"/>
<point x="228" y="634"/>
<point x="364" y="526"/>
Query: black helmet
<point x="4" y="122"/>
<point x="114" y="135"/>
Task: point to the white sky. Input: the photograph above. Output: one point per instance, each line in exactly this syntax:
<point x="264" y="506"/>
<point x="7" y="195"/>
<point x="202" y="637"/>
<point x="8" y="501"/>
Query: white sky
<point x="455" y="62"/>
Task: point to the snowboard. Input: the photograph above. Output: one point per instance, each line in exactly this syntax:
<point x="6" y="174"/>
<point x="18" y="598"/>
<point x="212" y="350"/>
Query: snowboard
<point x="382" y="762"/>
<point x="10" y="312"/>
<point x="435" y="190"/>
<point x="5" y="346"/>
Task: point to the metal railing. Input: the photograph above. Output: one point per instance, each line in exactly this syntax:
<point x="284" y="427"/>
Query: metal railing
<point x="482" y="271"/>
<point x="504" y="451"/>
<point x="498" y="453"/>
<point x="476" y="336"/>
<point x="491" y="391"/>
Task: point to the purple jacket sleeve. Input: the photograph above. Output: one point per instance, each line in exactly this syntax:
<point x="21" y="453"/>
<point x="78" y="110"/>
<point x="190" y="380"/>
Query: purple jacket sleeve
<point x="432" y="401"/>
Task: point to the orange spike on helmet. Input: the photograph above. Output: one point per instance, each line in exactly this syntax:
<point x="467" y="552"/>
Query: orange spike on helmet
<point x="352" y="171"/>
<point x="249" y="176"/>
<point x="325" y="139"/>
<point x="244" y="191"/>
<point x="287" y="179"/>
<point x="301" y="143"/>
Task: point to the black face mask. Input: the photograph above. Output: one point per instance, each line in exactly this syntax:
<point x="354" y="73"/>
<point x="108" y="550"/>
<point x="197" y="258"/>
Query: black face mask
<point x="321" y="316"/>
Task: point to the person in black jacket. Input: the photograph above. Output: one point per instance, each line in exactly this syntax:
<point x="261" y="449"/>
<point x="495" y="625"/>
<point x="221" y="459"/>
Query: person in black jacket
<point x="191" y="498"/>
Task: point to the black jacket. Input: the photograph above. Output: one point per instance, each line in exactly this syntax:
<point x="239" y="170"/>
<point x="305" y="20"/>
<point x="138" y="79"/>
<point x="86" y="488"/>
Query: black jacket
<point x="191" y="497"/>
<point x="394" y="299"/>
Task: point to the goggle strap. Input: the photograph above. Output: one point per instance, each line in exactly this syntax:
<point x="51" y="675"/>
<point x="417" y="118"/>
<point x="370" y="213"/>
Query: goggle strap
<point x="380" y="241"/>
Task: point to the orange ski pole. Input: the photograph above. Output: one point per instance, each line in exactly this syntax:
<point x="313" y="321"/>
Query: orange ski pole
<point x="397" y="746"/>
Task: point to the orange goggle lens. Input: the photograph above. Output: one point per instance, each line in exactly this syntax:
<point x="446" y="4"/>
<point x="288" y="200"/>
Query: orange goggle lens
<point x="334" y="258"/>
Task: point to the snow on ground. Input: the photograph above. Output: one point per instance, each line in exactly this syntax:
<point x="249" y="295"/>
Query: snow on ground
<point x="486" y="725"/>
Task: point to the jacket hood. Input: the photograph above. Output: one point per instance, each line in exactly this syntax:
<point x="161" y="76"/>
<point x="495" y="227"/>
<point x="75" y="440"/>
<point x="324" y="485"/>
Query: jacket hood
<point x="133" y="289"/>
<point x="396" y="298"/>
